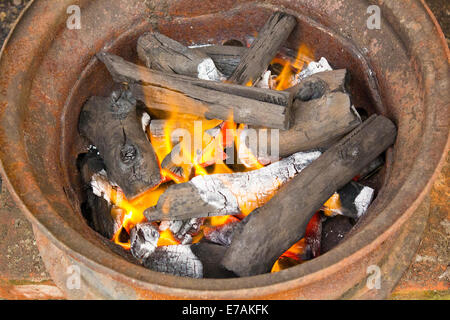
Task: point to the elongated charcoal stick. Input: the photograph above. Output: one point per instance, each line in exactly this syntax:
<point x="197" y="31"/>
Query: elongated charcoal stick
<point x="209" y="99"/>
<point x="164" y="54"/>
<point x="284" y="218"/>
<point x="227" y="194"/>
<point x="258" y="57"/>
<point x="317" y="124"/>
<point x="112" y="125"/>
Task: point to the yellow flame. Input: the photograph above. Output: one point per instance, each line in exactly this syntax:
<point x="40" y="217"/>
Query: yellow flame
<point x="286" y="77"/>
<point x="332" y="206"/>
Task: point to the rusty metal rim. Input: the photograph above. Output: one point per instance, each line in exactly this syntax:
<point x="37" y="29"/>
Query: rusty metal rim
<point x="288" y="274"/>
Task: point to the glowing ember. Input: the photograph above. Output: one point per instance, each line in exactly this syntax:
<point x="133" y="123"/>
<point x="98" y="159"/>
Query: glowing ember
<point x="202" y="156"/>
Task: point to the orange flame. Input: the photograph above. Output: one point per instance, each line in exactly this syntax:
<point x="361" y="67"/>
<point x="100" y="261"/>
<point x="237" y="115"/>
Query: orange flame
<point x="290" y="69"/>
<point x="205" y="152"/>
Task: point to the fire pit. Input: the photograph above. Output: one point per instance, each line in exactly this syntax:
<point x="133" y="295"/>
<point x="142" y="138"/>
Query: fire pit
<point x="47" y="77"/>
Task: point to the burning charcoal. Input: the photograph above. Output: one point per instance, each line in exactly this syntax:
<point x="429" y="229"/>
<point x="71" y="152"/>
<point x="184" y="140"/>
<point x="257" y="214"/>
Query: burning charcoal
<point x="184" y="171"/>
<point x="313" y="235"/>
<point x="183" y="230"/>
<point x="208" y="99"/>
<point x="227" y="194"/>
<point x="288" y="213"/>
<point x="306" y="249"/>
<point x="210" y="255"/>
<point x="257" y="58"/>
<point x="313" y="68"/>
<point x="164" y="54"/>
<point x="113" y="126"/>
<point x="334" y="230"/>
<point x="352" y="201"/>
<point x="144" y="239"/>
<point x="178" y="260"/>
<point x="266" y="81"/>
<point x="317" y="124"/>
<point x="222" y="234"/>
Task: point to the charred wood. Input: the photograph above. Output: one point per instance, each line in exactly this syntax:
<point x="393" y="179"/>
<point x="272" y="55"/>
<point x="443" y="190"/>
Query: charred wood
<point x="227" y="194"/>
<point x="178" y="260"/>
<point x="98" y="209"/>
<point x="318" y="84"/>
<point x="143" y="240"/>
<point x="112" y="125"/>
<point x="352" y="201"/>
<point x="226" y="58"/>
<point x="183" y="230"/>
<point x="210" y="255"/>
<point x="164" y="54"/>
<point x="209" y="99"/>
<point x="318" y="123"/>
<point x="257" y="58"/>
<point x="285" y="217"/>
<point x="334" y="231"/>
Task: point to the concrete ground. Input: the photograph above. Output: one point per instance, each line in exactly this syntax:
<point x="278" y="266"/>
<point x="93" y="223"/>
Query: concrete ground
<point x="23" y="275"/>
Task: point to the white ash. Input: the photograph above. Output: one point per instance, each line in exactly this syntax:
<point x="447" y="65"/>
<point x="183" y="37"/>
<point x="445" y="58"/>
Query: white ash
<point x="178" y="260"/>
<point x="145" y="121"/>
<point x="183" y="230"/>
<point x="207" y="70"/>
<point x="144" y="240"/>
<point x="199" y="46"/>
<point x="266" y="81"/>
<point x="102" y="187"/>
<point x="363" y="200"/>
<point x="227" y="192"/>
<point x="313" y="67"/>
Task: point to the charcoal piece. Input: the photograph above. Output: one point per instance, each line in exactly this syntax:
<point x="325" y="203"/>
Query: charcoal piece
<point x="355" y="199"/>
<point x="221" y="235"/>
<point x="226" y="58"/>
<point x="257" y="58"/>
<point x="178" y="260"/>
<point x="333" y="231"/>
<point x="113" y="126"/>
<point x="161" y="53"/>
<point x="210" y="255"/>
<point x="312" y="90"/>
<point x="96" y="209"/>
<point x="183" y="230"/>
<point x="144" y="240"/>
<point x="284" y="218"/>
<point x="226" y="194"/>
<point x="318" y="123"/>
<point x="209" y="99"/>
<point x="313" y="235"/>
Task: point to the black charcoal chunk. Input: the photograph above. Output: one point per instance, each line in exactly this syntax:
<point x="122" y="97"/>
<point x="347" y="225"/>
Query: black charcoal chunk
<point x="210" y="255"/>
<point x="333" y="231"/>
<point x="144" y="239"/>
<point x="178" y="260"/>
<point x="355" y="199"/>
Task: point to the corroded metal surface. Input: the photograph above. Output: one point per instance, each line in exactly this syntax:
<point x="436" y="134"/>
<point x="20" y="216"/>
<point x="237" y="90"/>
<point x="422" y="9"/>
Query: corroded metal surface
<point x="48" y="71"/>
